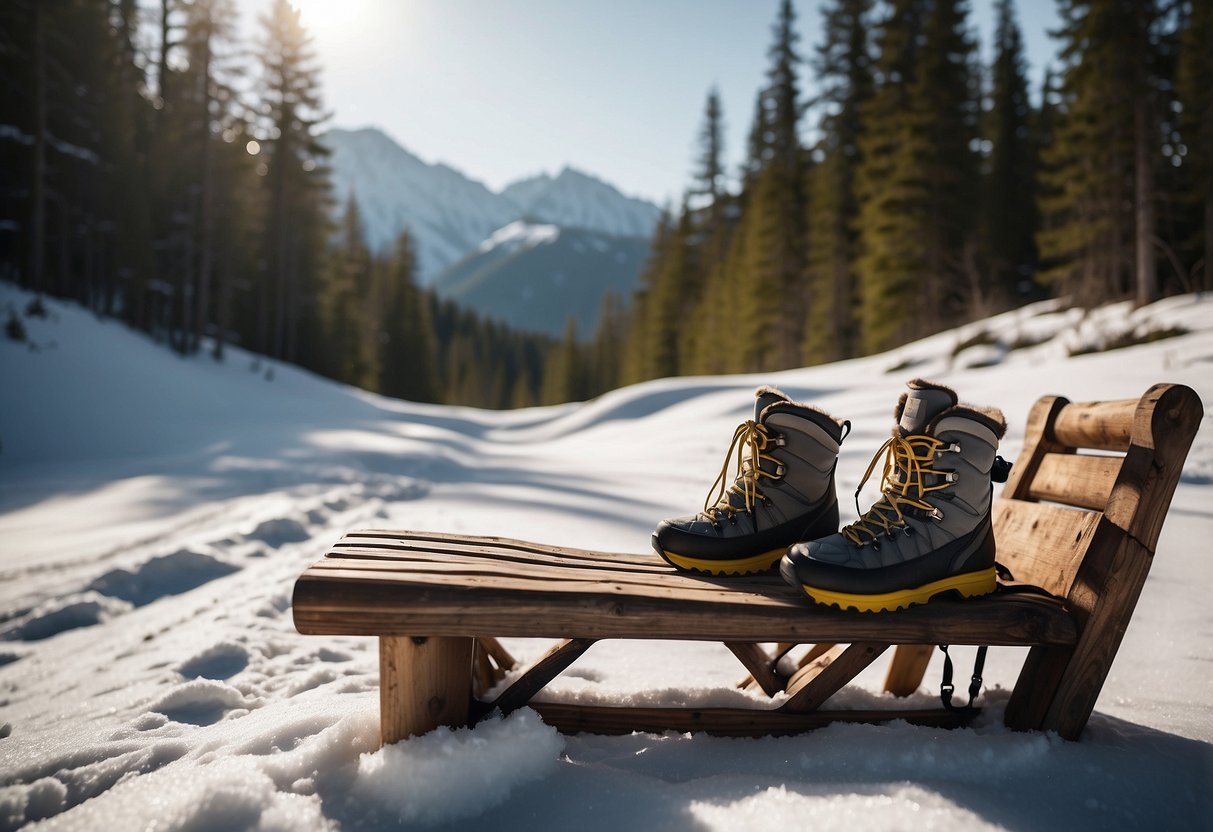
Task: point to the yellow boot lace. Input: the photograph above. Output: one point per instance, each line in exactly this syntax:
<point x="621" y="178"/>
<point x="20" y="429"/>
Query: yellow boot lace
<point x="749" y="441"/>
<point x="902" y="484"/>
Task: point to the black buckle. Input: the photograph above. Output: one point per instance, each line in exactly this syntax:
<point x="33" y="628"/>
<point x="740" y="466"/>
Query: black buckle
<point x="1000" y="470"/>
<point x="946" y="687"/>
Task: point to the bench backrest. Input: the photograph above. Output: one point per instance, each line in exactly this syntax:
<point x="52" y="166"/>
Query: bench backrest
<point x="1081" y="512"/>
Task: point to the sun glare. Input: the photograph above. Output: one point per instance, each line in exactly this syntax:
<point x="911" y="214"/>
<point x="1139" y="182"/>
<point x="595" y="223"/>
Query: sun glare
<point x="325" y="18"/>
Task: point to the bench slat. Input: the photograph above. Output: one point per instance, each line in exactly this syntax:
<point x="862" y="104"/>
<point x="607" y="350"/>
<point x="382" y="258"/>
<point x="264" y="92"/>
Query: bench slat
<point x="362" y="596"/>
<point x="1105" y="426"/>
<point x="1042" y="544"/>
<point x="1075" y="479"/>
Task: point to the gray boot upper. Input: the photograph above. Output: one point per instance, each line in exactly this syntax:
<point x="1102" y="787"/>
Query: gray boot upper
<point x="937" y="489"/>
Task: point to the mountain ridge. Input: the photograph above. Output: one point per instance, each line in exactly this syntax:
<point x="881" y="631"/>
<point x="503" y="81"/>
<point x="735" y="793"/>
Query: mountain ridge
<point x="450" y="214"/>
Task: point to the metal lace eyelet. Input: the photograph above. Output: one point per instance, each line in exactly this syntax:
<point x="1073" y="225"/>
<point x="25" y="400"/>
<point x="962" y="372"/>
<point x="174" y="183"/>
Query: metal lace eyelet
<point x="876" y="545"/>
<point x="936" y="514"/>
<point x="908" y="530"/>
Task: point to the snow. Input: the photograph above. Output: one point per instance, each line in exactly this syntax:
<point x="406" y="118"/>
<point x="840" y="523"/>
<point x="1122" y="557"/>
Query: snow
<point x="519" y="235"/>
<point x="155" y="511"/>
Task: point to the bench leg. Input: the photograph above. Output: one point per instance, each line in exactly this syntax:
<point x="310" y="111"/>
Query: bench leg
<point x="423" y="683"/>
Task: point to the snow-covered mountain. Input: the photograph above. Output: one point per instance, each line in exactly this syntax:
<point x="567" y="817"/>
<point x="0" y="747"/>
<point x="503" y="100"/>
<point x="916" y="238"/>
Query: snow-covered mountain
<point x="450" y="215"/>
<point x="534" y="276"/>
<point x="447" y="213"/>
<point x="573" y="198"/>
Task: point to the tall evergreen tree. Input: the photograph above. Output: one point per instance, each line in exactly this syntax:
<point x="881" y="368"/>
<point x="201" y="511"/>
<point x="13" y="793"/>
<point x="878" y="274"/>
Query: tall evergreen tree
<point x="844" y="72"/>
<point x="1096" y="179"/>
<point x="917" y="177"/>
<point x="407" y="347"/>
<point x="1194" y="82"/>
<point x="295" y="182"/>
<point x="1008" y="207"/>
<point x="770" y="281"/>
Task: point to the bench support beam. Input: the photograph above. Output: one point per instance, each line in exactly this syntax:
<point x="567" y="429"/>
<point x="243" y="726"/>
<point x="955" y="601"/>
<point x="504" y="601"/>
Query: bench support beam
<point x="423" y="683"/>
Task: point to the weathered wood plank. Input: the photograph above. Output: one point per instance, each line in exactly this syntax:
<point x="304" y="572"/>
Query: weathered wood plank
<point x="537" y="676"/>
<point x="726" y="722"/>
<point x="1075" y="479"/>
<point x="817" y="681"/>
<point x="492" y="543"/>
<point x="335" y="602"/>
<point x="1036" y="443"/>
<point x="1104" y="426"/>
<point x="760" y="664"/>
<point x="907" y="668"/>
<point x="1042" y="544"/>
<point x="423" y="683"/>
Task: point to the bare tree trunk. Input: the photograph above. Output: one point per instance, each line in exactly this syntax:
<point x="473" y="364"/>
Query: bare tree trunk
<point x="202" y="299"/>
<point x="1146" y="268"/>
<point x="37" y="262"/>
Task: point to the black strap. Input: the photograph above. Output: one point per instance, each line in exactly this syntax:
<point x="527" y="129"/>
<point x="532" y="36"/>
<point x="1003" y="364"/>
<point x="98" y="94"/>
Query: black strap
<point x="946" y="688"/>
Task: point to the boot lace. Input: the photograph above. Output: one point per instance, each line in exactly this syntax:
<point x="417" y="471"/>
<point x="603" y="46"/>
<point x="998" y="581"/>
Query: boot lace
<point x="903" y="485"/>
<point x="749" y="441"/>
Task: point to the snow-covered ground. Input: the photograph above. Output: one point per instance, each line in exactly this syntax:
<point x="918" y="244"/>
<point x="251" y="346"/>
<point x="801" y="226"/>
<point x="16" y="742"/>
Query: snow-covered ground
<point x="154" y="512"/>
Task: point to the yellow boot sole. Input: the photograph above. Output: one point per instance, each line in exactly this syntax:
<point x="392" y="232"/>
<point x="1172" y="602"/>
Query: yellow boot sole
<point x="968" y="584"/>
<point x="745" y="566"/>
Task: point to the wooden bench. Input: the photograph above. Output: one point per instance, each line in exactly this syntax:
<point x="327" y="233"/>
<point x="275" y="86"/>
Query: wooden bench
<point x="1076" y="528"/>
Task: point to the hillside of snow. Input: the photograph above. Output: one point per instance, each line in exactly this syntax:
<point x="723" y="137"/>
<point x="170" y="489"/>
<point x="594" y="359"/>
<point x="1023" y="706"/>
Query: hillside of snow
<point x="449" y="215"/>
<point x="155" y="511"/>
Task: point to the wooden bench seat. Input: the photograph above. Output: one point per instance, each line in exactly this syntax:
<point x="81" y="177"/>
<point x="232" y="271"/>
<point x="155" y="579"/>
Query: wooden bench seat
<point x="1077" y="530"/>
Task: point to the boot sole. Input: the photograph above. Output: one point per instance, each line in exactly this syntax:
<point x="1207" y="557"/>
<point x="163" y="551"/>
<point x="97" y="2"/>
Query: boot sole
<point x="968" y="584"/>
<point x="743" y="566"/>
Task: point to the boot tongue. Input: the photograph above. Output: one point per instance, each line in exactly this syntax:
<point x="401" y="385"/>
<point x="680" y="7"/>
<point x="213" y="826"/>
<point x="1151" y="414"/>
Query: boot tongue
<point x="764" y="397"/>
<point x="924" y="402"/>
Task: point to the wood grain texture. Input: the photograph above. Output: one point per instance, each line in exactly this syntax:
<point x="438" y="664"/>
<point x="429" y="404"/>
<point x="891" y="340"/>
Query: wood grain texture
<point x="536" y="677"/>
<point x="817" y="681"/>
<point x="726" y="722"/>
<point x="1105" y="426"/>
<point x="1077" y="480"/>
<point x="423" y="683"/>
<point x="1058" y="688"/>
<point x="761" y="666"/>
<point x="907" y="668"/>
<point x="1042" y="544"/>
<point x="355" y="602"/>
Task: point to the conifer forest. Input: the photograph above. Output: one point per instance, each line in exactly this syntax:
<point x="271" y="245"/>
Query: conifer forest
<point x="179" y="183"/>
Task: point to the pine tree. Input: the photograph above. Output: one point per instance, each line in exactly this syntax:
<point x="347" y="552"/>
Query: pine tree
<point x="295" y="182"/>
<point x="562" y="375"/>
<point x="917" y="177"/>
<point x="1008" y="208"/>
<point x="348" y="311"/>
<point x="408" y="349"/>
<point x="771" y="274"/>
<point x="1096" y="190"/>
<point x="844" y="72"/>
<point x="1194" y="82"/>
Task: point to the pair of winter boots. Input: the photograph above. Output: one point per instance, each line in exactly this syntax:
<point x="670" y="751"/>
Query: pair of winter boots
<point x="928" y="534"/>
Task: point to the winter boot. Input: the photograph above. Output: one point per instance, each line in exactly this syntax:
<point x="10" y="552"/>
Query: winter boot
<point x="783" y="492"/>
<point x="930" y="532"/>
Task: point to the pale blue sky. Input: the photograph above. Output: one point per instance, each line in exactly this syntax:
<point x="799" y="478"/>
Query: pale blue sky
<point x="501" y="89"/>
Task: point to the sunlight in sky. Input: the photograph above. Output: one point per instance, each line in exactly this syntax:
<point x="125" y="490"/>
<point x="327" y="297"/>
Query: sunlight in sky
<point x="502" y="89"/>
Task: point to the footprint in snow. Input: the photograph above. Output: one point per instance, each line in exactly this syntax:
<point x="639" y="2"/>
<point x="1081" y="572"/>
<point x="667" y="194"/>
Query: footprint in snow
<point x="201" y="702"/>
<point x="172" y="574"/>
<point x="221" y="661"/>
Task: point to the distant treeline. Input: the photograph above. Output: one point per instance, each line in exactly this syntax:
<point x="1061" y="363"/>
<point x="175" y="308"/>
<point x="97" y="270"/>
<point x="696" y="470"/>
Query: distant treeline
<point x="178" y="183"/>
